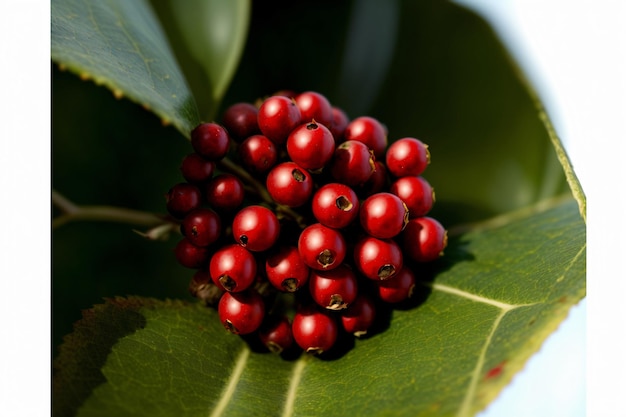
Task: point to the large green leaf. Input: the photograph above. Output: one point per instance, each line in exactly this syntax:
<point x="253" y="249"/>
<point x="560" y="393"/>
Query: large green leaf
<point x="503" y="287"/>
<point x="120" y="44"/>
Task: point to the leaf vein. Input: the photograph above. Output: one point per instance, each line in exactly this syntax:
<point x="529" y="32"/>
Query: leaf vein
<point x="226" y="396"/>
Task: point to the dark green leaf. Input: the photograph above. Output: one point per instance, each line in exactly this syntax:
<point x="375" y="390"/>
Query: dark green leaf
<point x="120" y="44"/>
<point x="503" y="287"/>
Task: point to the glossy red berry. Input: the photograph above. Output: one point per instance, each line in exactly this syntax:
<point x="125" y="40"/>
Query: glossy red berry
<point x="256" y="228"/>
<point x="424" y="239"/>
<point x="378" y="259"/>
<point x="210" y="140"/>
<point x="335" y="205"/>
<point x="286" y="270"/>
<point x="196" y="169"/>
<point x="352" y="163"/>
<point x="321" y="247"/>
<point x="277" y="117"/>
<point x="314" y="330"/>
<point x="399" y="288"/>
<point x="369" y="131"/>
<point x="340" y="121"/>
<point x="311" y="145"/>
<point x="241" y="313"/>
<point x="233" y="268"/>
<point x="225" y="192"/>
<point x="359" y="316"/>
<point x="407" y="156"/>
<point x="289" y="184"/>
<point x="416" y="193"/>
<point x="189" y="255"/>
<point x="376" y="183"/>
<point x="335" y="289"/>
<point x="258" y="154"/>
<point x="276" y="334"/>
<point x="182" y="198"/>
<point x="314" y="106"/>
<point x="202" y="227"/>
<point x="240" y="120"/>
<point x="383" y="215"/>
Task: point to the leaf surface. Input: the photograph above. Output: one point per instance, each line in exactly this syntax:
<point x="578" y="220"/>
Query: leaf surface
<point x="502" y="288"/>
<point x="120" y="44"/>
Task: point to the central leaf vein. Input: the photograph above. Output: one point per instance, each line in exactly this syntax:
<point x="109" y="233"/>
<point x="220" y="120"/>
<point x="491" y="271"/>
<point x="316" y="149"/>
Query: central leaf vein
<point x="226" y="396"/>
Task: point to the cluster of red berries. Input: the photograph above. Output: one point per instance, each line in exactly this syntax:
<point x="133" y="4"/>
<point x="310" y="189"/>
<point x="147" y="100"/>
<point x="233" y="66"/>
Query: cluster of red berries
<point x="319" y="206"/>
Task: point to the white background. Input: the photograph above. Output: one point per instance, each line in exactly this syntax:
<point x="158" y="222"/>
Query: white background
<point x="573" y="52"/>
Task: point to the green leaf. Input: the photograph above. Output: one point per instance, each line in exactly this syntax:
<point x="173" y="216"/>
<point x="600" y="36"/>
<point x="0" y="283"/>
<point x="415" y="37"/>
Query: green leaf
<point x="120" y="44"/>
<point x="209" y="37"/>
<point x="503" y="287"/>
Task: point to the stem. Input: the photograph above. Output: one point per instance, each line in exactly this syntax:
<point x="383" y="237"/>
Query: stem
<point x="73" y="212"/>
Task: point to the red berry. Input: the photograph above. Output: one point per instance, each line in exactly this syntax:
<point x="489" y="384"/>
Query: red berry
<point x="335" y="289"/>
<point x="424" y="239"/>
<point x="340" y="121"/>
<point x="313" y="330"/>
<point x="256" y="228"/>
<point x="352" y="163"/>
<point x="407" y="156"/>
<point x="335" y="205"/>
<point x="276" y="334"/>
<point x="369" y="131"/>
<point x="383" y="215"/>
<point x="378" y="259"/>
<point x="314" y="106"/>
<point x="416" y="193"/>
<point x="376" y="183"/>
<point x="289" y="184"/>
<point x="196" y="169"/>
<point x="311" y="145"/>
<point x="225" y="192"/>
<point x="210" y="140"/>
<point x="240" y="120"/>
<point x="202" y="227"/>
<point x="359" y="316"/>
<point x="286" y="270"/>
<point x="277" y="117"/>
<point x="190" y="255"/>
<point x="233" y="268"/>
<point x="258" y="154"/>
<point x="321" y="247"/>
<point x="241" y="313"/>
<point x="399" y="288"/>
<point x="182" y="198"/>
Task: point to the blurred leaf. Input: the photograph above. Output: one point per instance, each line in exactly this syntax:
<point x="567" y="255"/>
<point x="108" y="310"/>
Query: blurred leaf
<point x="214" y="32"/>
<point x="501" y="290"/>
<point x="120" y="44"/>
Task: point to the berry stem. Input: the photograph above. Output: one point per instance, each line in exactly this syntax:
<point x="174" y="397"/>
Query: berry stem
<point x="254" y="186"/>
<point x="73" y="212"/>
